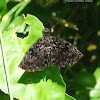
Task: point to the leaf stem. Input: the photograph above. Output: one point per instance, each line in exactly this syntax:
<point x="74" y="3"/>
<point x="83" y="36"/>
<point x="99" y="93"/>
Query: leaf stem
<point x="22" y="7"/>
<point x="7" y="18"/>
<point x="5" y="66"/>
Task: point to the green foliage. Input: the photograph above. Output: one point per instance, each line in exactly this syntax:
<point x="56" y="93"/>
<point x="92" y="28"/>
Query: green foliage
<point x="95" y="92"/>
<point x="78" y="23"/>
<point x="82" y="81"/>
<point x="3" y="6"/>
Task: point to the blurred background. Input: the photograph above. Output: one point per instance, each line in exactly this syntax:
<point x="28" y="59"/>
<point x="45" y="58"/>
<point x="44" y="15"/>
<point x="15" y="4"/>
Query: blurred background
<point x="79" y="23"/>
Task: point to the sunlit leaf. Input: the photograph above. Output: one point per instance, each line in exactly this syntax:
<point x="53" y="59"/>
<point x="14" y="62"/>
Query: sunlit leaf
<point x="95" y="92"/>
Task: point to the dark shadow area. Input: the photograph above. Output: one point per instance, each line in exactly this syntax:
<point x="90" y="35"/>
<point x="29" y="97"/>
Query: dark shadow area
<point x="52" y="73"/>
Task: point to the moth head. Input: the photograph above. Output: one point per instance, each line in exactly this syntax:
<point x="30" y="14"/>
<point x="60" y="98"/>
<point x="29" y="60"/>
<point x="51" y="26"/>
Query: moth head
<point x="46" y="32"/>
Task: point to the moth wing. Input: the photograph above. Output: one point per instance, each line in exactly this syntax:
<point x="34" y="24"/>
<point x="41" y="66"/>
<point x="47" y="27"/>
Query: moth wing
<point x="48" y="50"/>
<point x="35" y="58"/>
<point x="63" y="53"/>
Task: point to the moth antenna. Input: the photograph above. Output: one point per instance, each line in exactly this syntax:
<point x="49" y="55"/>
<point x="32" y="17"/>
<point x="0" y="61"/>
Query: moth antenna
<point x="52" y="28"/>
<point x="55" y="25"/>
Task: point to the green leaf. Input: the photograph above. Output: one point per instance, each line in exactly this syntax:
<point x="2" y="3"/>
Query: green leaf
<point x="40" y="85"/>
<point x="3" y="6"/>
<point x="67" y="97"/>
<point x="95" y="92"/>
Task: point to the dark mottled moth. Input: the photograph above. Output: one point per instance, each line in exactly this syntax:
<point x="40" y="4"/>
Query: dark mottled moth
<point x="49" y="50"/>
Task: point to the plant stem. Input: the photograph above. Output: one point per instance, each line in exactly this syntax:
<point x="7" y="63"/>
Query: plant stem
<point x="7" y="18"/>
<point x="5" y="66"/>
<point x="22" y="7"/>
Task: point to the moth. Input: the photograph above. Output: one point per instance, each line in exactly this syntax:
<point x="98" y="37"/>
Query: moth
<point x="49" y="50"/>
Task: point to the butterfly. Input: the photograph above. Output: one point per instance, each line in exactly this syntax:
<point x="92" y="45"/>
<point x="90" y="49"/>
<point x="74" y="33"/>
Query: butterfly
<point x="49" y="50"/>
